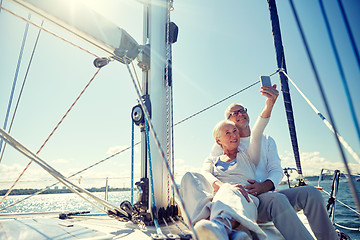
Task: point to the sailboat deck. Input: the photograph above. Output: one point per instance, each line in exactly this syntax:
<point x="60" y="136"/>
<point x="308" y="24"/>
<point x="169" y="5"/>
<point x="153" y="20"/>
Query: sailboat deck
<point x="49" y="226"/>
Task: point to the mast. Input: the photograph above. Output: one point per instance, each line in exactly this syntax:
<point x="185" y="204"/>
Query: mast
<point x="280" y="59"/>
<point x="157" y="87"/>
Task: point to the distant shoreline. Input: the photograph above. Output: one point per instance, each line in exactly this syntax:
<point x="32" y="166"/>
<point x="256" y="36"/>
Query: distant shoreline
<point x="30" y="191"/>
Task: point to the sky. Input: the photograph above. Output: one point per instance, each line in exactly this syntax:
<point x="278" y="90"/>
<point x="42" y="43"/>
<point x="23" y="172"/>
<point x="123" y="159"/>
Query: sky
<point x="221" y="49"/>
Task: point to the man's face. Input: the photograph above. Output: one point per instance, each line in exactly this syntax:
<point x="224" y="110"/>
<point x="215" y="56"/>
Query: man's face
<point x="238" y="115"/>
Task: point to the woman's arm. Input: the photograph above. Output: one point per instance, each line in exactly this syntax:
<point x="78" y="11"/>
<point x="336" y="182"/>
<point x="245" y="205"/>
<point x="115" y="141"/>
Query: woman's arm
<point x="271" y="95"/>
<point x="208" y="167"/>
<point x="256" y="139"/>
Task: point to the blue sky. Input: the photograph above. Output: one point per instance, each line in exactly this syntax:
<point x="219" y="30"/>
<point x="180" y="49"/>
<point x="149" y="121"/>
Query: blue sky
<point x="221" y="48"/>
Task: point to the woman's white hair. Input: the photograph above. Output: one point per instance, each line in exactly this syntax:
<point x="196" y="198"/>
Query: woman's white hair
<point x="218" y="126"/>
<point x="227" y="111"/>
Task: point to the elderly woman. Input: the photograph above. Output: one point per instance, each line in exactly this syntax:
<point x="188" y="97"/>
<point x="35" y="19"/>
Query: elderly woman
<point x="231" y="208"/>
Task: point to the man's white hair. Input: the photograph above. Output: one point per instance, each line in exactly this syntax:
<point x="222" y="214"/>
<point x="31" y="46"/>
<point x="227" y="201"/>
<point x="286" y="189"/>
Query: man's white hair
<point x="227" y="111"/>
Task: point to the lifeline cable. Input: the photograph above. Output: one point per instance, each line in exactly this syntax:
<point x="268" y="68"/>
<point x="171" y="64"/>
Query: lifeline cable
<point x="351" y="181"/>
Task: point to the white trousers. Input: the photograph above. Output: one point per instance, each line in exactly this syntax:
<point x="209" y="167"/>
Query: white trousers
<point x="279" y="207"/>
<point x="227" y="202"/>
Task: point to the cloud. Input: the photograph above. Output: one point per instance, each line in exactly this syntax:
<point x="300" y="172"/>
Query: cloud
<point x="60" y="160"/>
<point x="313" y="162"/>
<point x="10" y="173"/>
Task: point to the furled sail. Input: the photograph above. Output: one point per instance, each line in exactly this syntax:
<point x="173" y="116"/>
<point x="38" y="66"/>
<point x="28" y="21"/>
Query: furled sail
<point x="83" y="22"/>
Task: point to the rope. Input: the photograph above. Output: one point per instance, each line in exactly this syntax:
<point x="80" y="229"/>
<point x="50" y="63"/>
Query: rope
<point x="173" y="221"/>
<point x="48" y="31"/>
<point x="172" y="136"/>
<point x="136" y="76"/>
<point x="132" y="162"/>
<point x="351" y="36"/>
<point x="167" y="79"/>
<point x="158" y="229"/>
<point x="348" y="228"/>
<point x="182" y="222"/>
<point x="22" y="88"/>
<point x="15" y="79"/>
<point x="56" y="127"/>
<point x="326" y="122"/>
<point x="213" y="105"/>
<point x="341" y="70"/>
<point x="351" y="181"/>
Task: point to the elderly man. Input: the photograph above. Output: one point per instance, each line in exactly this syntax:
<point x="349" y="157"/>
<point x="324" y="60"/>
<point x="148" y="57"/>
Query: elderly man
<point x="279" y="207"/>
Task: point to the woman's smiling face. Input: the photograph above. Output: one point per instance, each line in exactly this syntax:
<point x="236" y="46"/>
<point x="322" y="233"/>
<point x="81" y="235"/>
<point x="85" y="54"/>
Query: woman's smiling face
<point x="229" y="137"/>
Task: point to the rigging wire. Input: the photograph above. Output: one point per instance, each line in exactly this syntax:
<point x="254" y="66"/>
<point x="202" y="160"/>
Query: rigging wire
<point x="53" y="131"/>
<point x="22" y="88"/>
<point x="351" y="36"/>
<point x="213" y="105"/>
<point x="326" y="122"/>
<point x="351" y="181"/>
<point x="15" y="79"/>
<point x="341" y="70"/>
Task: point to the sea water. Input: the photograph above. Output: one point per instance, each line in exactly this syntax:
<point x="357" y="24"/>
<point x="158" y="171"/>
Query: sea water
<point x="69" y="202"/>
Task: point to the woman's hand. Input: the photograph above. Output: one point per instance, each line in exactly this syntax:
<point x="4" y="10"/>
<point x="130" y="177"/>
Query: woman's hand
<point x="271" y="94"/>
<point x="216" y="185"/>
<point x="243" y="191"/>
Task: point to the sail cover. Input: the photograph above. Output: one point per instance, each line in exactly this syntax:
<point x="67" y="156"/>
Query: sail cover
<point x="83" y="22"/>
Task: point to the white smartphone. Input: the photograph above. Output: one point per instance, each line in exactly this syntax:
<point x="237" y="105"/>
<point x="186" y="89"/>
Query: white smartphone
<point x="265" y="80"/>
